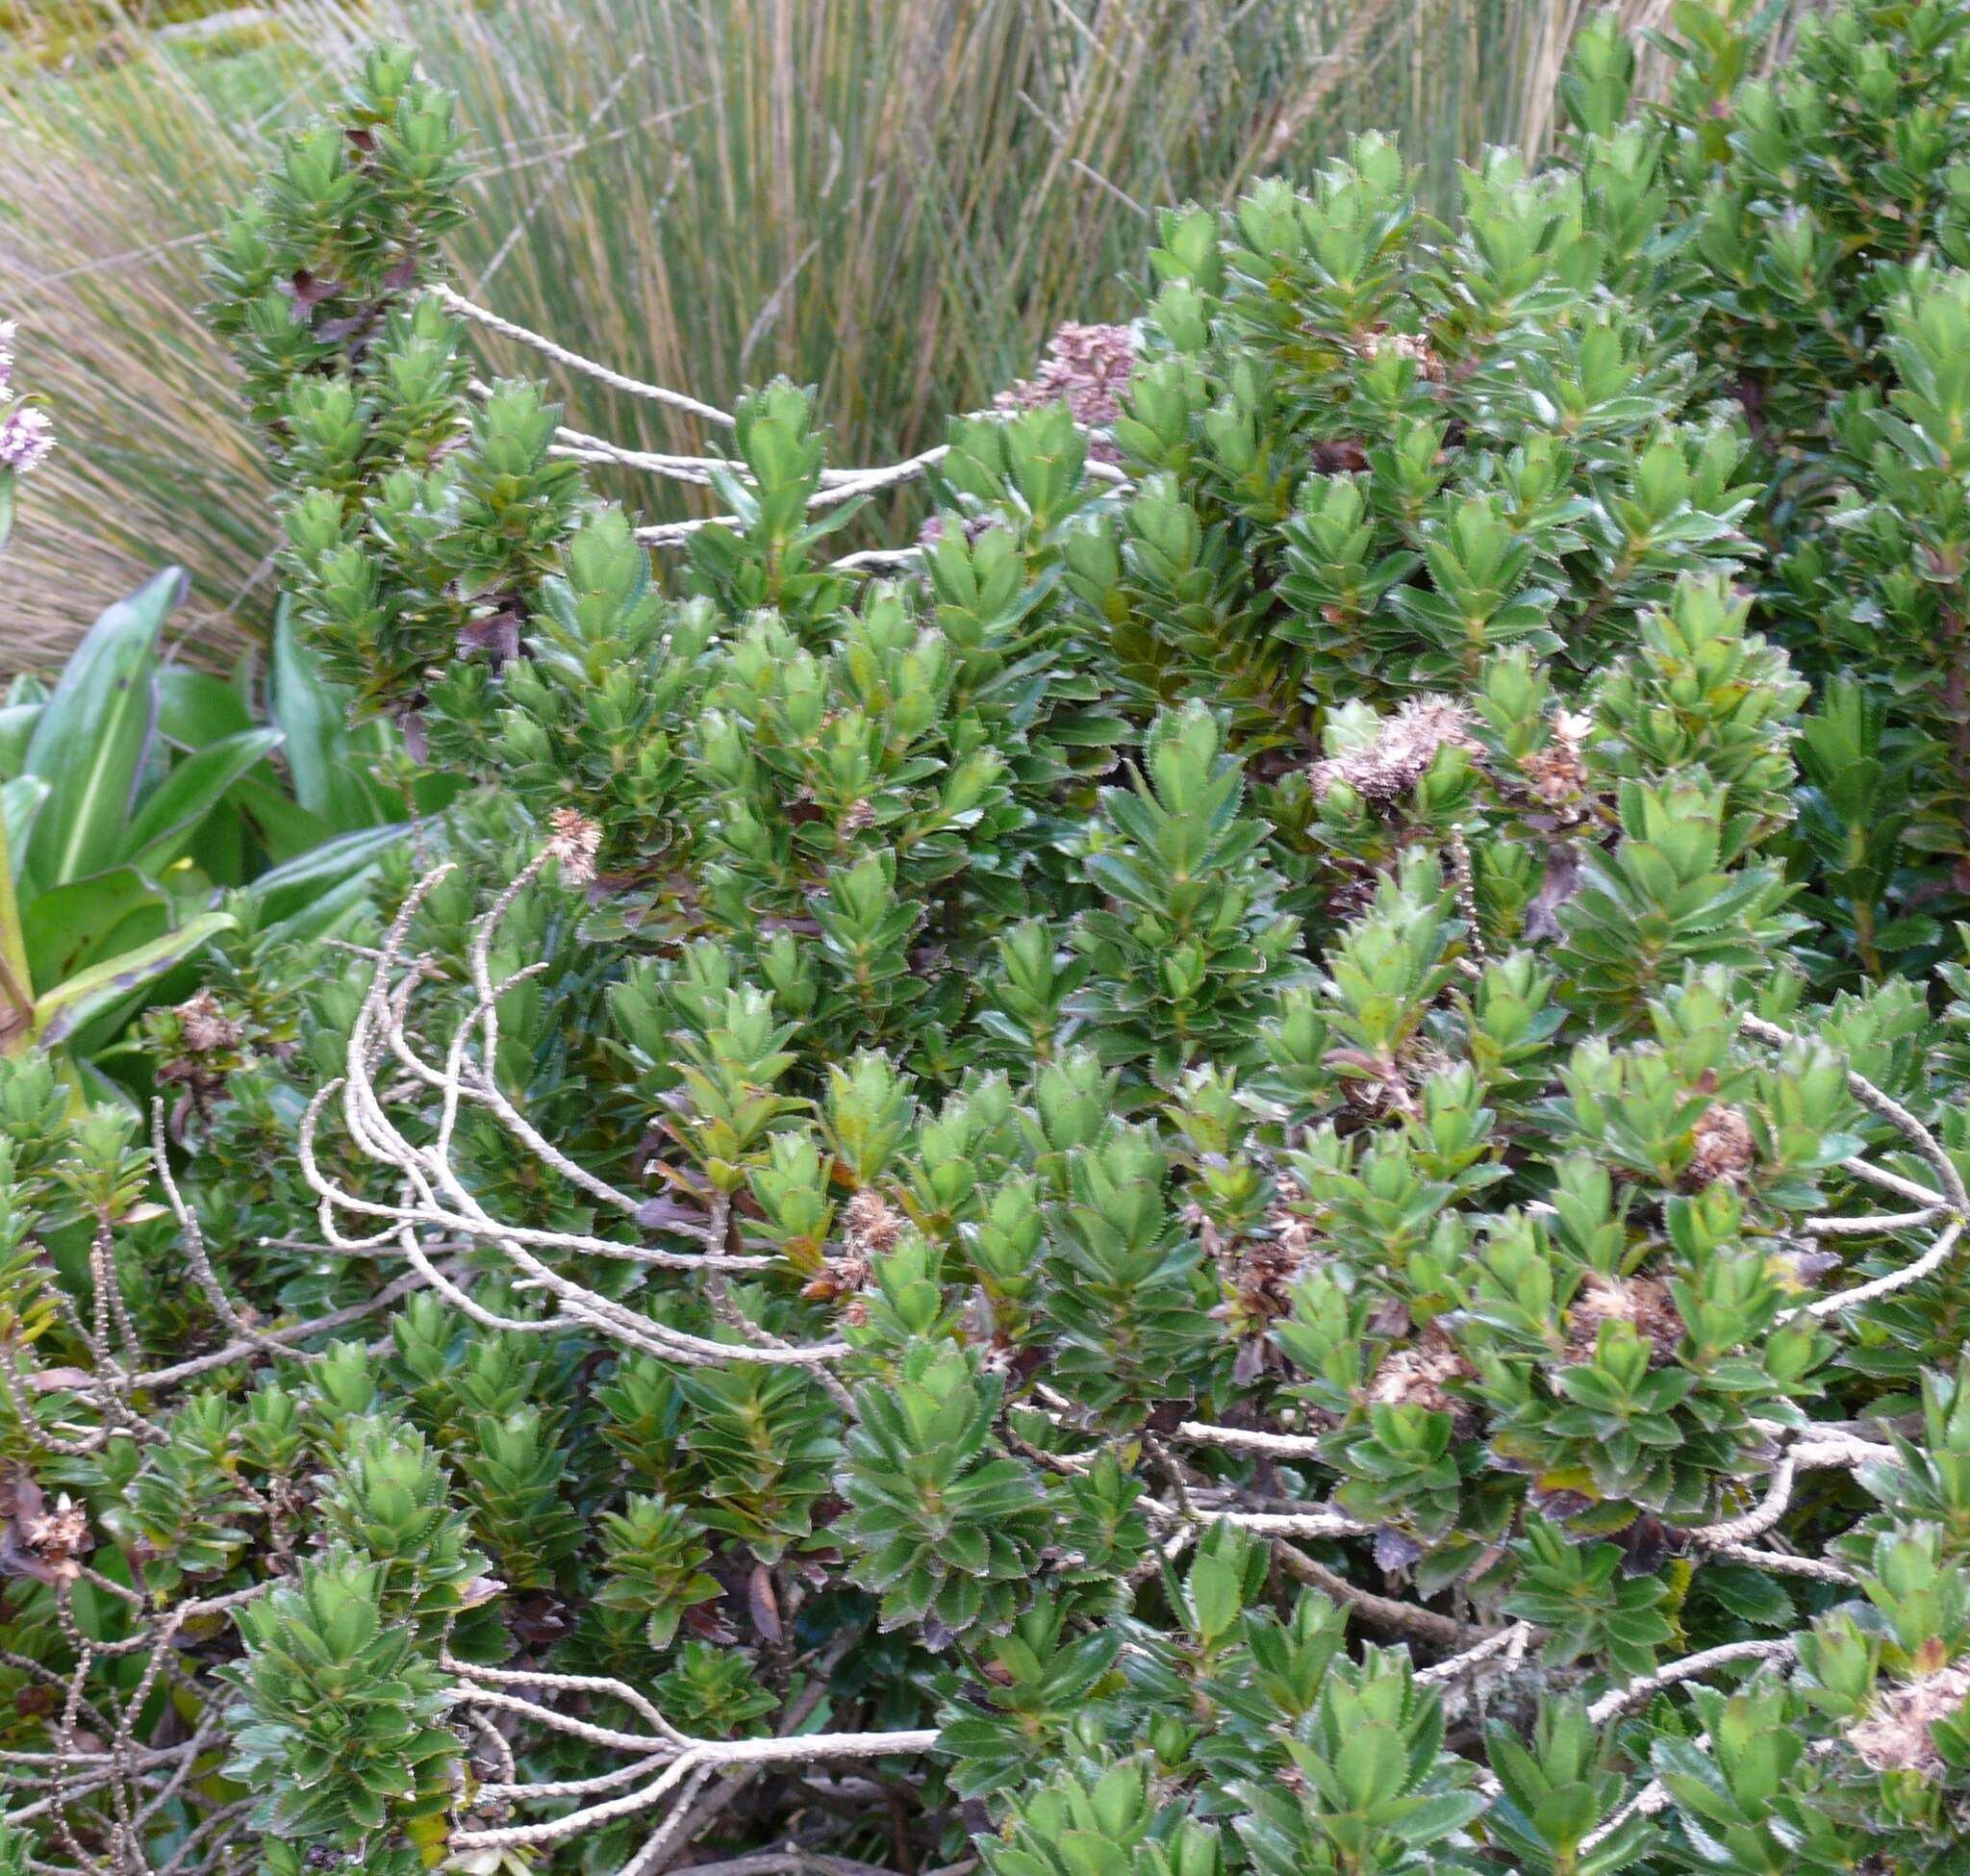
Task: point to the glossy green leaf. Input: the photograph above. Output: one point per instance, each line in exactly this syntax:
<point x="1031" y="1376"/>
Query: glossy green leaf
<point x="61" y="1011"/>
<point x="168" y="819"/>
<point x="284" y="829"/>
<point x="90" y="741"/>
<point x="325" y="757"/>
<point x="17" y="731"/>
<point x="327" y="912"/>
<point x="287" y="889"/>
<point x="195" y="707"/>
<point x="68" y="927"/>
<point x="21" y="800"/>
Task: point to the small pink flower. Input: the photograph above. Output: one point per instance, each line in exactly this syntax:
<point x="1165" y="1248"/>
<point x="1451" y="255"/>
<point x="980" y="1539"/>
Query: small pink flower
<point x="6" y="330"/>
<point x="25" y="439"/>
<point x="1086" y="366"/>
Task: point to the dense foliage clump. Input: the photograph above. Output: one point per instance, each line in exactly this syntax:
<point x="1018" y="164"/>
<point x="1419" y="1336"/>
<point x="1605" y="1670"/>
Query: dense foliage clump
<point x="1258" y="1167"/>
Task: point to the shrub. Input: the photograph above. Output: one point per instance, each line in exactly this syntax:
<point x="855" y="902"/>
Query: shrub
<point x="1184" y="1192"/>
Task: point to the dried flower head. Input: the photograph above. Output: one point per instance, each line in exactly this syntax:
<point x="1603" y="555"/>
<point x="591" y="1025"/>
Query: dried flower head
<point x="1388" y="767"/>
<point x="869" y="1224"/>
<point x="1723" y="1147"/>
<point x="1643" y="1301"/>
<point x="59" y="1537"/>
<point x="1895" y="1736"/>
<point x="1421" y="1375"/>
<point x="1258" y="1273"/>
<point x="1413" y="345"/>
<point x="26" y="437"/>
<point x="1572" y="727"/>
<point x="575" y="842"/>
<point x="1558" y="773"/>
<point x="204" y="1025"/>
<point x="1088" y="367"/>
<point x="40" y="1540"/>
<point x="838" y="1278"/>
<point x="974" y="526"/>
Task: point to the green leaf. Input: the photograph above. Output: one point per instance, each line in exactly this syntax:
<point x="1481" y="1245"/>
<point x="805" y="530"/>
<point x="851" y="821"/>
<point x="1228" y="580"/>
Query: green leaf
<point x="68" y="929"/>
<point x="1430" y="1820"/>
<point x="325" y="913"/>
<point x="21" y="800"/>
<point x="89" y="743"/>
<point x="1371" y="1766"/>
<point x="195" y="708"/>
<point x="285" y="889"/>
<point x="16" y="730"/>
<point x="324" y="756"/>
<point x="63" y="1010"/>
<point x="166" y="823"/>
<point x="282" y="825"/>
<point x="1214" y="1586"/>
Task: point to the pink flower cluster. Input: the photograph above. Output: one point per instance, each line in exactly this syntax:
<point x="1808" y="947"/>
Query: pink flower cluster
<point x="1087" y="367"/>
<point x="26" y="432"/>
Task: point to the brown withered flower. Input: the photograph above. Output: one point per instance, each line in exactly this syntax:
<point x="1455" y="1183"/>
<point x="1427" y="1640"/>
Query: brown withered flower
<point x="836" y="1279"/>
<point x="1388" y="767"/>
<point x="1087" y="367"/>
<point x="1413" y="345"/>
<point x="1258" y="1273"/>
<point x="205" y="1028"/>
<point x="1895" y="1736"/>
<point x="1558" y="773"/>
<point x="208" y="1042"/>
<point x="870" y="1225"/>
<point x="1724" y="1147"/>
<point x="575" y="842"/>
<point x="1377" y="1085"/>
<point x="1421" y="1375"/>
<point x="44" y="1541"/>
<point x="1644" y="1301"/>
<point x="974" y="526"/>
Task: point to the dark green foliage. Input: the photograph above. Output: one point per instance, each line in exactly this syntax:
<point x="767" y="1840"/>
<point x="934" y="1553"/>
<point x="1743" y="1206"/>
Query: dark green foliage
<point x="338" y="1726"/>
<point x="1258" y="1170"/>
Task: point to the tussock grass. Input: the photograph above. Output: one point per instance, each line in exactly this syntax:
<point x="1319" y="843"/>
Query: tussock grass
<point x="892" y="199"/>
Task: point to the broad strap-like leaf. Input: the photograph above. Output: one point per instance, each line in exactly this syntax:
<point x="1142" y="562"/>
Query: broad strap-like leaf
<point x="276" y="819"/>
<point x="22" y="800"/>
<point x="66" y="1008"/>
<point x="17" y="722"/>
<point x="286" y="890"/>
<point x="67" y="929"/>
<point x="325" y="757"/>
<point x="90" y="741"/>
<point x="327" y="912"/>
<point x="197" y="707"/>
<point x="166" y="823"/>
<point x="19" y="800"/>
